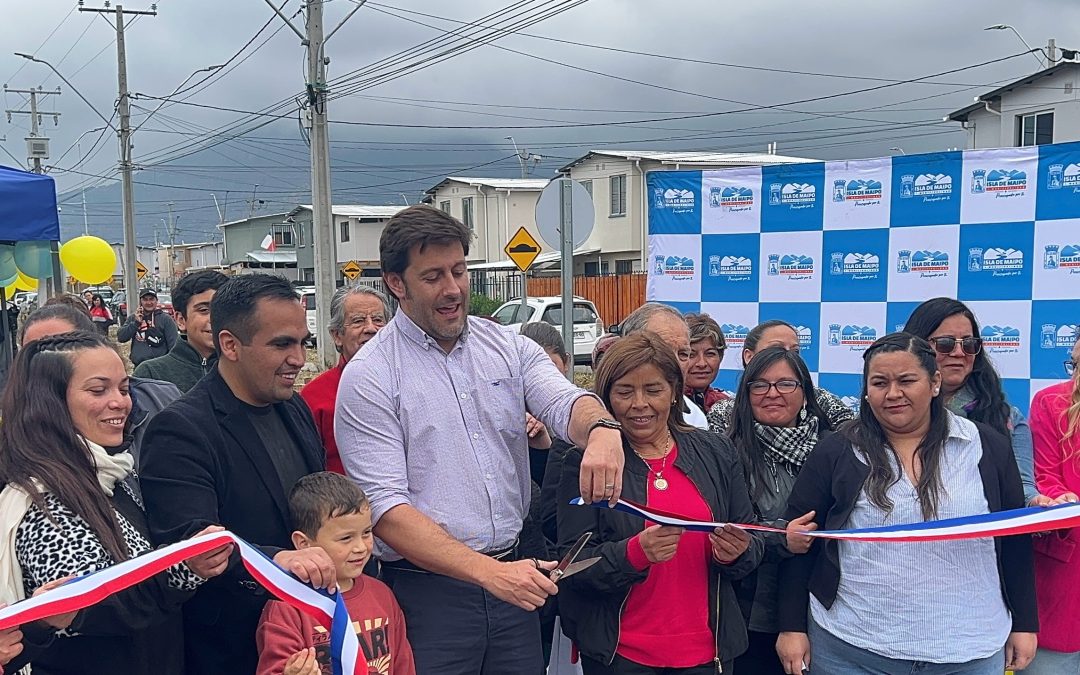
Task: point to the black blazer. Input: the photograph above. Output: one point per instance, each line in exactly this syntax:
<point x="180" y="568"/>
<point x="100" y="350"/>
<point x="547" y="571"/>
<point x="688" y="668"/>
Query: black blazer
<point x="831" y="481"/>
<point x="204" y="464"/>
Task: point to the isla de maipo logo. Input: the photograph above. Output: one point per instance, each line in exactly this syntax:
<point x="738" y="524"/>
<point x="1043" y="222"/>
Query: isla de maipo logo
<point x="1000" y="339"/>
<point x="854" y="264"/>
<point x="1057" y="257"/>
<point x="676" y="200"/>
<point x="999" y="182"/>
<point x="790" y="266"/>
<point x="857" y="191"/>
<point x="1059" y="176"/>
<point x="856" y="338"/>
<point x="930" y="186"/>
<point x="732" y="267"/>
<point x="795" y="195"/>
<point x="732" y="199"/>
<point x="734" y="334"/>
<point x="1053" y="336"/>
<point x="999" y="262"/>
<point x="679" y="268"/>
<point x="926" y="264"/>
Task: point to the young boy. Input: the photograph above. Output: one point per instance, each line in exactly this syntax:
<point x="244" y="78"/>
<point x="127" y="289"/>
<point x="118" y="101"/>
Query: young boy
<point x="329" y="511"/>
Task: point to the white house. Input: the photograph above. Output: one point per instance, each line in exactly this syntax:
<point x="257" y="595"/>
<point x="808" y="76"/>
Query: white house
<point x="357" y="229"/>
<point x="494" y="208"/>
<point x="1034" y="110"/>
<point x="616" y="181"/>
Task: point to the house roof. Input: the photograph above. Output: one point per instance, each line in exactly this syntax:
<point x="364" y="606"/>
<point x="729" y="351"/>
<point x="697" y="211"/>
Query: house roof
<point x="542" y="259"/>
<point x="961" y="115"/>
<point x="706" y="158"/>
<point x="250" y="218"/>
<point x="273" y="257"/>
<point x="358" y="210"/>
<point x="523" y="184"/>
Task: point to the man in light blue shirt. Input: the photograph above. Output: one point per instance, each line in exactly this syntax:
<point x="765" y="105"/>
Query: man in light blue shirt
<point x="430" y="422"/>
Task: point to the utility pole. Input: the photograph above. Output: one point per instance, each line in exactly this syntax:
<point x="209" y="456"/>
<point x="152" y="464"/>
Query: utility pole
<point x="35" y="155"/>
<point x="37" y="149"/>
<point x="123" y="110"/>
<point x="322" y="219"/>
<point x="172" y="247"/>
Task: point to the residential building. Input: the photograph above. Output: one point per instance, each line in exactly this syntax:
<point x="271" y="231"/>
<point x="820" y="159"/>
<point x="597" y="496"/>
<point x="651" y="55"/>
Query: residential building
<point x="616" y="180"/>
<point x="357" y="229"/>
<point x="356" y="232"/>
<point x="1034" y="110"/>
<point x="244" y="253"/>
<point x="494" y="208"/>
<point x="176" y="260"/>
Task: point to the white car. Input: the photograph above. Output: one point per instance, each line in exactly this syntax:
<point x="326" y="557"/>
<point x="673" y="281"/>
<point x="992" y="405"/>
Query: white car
<point x="307" y="296"/>
<point x="588" y="327"/>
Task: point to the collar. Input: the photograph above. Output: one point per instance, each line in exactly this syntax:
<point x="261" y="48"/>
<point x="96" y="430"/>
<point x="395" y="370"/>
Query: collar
<point x="413" y="332"/>
<point x="186" y="352"/>
<point x="961" y="428"/>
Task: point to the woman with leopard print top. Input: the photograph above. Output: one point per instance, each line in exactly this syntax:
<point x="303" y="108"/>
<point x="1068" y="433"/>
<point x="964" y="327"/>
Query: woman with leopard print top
<point x="72" y="506"/>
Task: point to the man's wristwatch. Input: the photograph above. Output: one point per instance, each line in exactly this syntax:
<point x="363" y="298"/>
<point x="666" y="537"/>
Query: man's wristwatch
<point x="606" y="423"/>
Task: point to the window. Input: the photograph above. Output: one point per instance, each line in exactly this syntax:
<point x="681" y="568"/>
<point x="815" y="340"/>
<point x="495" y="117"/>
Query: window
<point x="283" y="234"/>
<point x="618" y="195"/>
<point x="582" y="314"/>
<point x="1036" y="129"/>
<point x="506" y="315"/>
<point x="466" y="212"/>
<point x="587" y="184"/>
<point x="444" y="206"/>
<point x="344" y="225"/>
<point x="624" y="266"/>
<point x="300" y="235"/>
<point x="592" y="269"/>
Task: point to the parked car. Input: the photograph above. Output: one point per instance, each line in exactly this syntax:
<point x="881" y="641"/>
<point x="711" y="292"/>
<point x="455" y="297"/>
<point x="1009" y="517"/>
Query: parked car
<point x="119" y="306"/>
<point x="587" y="324"/>
<point x="604" y="343"/>
<point x="164" y="301"/>
<point x="307" y="296"/>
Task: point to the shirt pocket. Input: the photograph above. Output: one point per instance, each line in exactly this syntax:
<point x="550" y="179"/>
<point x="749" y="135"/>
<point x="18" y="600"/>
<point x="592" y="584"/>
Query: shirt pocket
<point x="500" y="403"/>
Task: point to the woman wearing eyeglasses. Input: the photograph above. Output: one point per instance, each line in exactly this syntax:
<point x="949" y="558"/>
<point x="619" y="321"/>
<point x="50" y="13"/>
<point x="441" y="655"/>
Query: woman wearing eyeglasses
<point x="1055" y="425"/>
<point x="774" y="427"/>
<point x="969" y="383"/>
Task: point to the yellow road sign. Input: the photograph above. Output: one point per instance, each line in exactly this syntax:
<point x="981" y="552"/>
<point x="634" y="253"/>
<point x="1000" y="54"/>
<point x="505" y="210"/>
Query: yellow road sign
<point x="522" y="249"/>
<point x="351" y="270"/>
<point x="140" y="270"/>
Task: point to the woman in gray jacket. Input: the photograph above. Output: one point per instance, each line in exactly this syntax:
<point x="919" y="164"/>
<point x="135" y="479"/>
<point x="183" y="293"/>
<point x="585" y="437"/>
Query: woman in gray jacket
<point x="774" y="427"/>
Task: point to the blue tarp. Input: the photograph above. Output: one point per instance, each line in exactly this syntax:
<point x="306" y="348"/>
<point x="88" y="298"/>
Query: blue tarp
<point x="27" y="206"/>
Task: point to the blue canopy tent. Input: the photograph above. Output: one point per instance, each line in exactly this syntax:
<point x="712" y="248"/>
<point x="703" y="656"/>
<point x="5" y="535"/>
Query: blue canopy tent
<point x="27" y="213"/>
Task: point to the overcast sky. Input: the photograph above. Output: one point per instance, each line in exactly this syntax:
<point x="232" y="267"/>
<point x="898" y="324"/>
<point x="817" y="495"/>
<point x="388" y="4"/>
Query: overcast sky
<point x="894" y="41"/>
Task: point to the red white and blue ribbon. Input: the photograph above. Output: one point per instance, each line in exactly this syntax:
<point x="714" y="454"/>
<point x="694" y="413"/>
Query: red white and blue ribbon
<point x="999" y="524"/>
<point x="327" y="610"/>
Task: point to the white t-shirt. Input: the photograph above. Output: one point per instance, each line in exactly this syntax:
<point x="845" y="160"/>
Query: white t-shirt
<point x="695" y="416"/>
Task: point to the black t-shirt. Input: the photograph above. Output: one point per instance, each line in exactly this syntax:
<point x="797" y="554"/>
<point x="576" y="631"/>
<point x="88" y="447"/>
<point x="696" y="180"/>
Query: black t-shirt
<point x="285" y="454"/>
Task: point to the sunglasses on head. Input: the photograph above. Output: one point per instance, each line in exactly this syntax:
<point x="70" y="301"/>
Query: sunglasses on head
<point x="946" y="344"/>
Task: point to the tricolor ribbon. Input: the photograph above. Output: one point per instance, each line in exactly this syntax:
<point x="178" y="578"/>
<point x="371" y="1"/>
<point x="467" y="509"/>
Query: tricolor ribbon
<point x="328" y="610"/>
<point x="998" y="524"/>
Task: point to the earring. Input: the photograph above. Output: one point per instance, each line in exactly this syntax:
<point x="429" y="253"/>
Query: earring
<point x="937" y="390"/>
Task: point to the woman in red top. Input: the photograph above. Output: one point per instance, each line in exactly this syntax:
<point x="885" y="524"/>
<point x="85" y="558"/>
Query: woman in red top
<point x="660" y="599"/>
<point x="1055" y="427"/>
<point x="100" y="314"/>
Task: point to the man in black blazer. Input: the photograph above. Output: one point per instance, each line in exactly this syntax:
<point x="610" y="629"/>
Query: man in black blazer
<point x="228" y="452"/>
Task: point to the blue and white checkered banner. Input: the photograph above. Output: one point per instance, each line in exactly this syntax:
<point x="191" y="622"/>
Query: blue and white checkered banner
<point x="845" y="250"/>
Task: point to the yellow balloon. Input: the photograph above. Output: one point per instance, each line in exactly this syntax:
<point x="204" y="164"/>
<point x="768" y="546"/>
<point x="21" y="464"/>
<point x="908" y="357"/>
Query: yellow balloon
<point x="25" y="283"/>
<point x="89" y="259"/>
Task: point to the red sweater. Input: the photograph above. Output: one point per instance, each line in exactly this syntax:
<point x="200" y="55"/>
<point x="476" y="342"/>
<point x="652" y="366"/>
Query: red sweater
<point x="665" y="623"/>
<point x="321" y="396"/>
<point x="377" y="618"/>
<point x="1057" y="562"/>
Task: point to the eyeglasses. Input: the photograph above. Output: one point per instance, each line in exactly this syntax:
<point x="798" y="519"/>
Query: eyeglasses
<point x="358" y="320"/>
<point x="1070" y="368"/>
<point x="947" y="343"/>
<point x="762" y="387"/>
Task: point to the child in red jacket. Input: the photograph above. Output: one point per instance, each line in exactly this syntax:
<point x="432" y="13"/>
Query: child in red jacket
<point x="330" y="511"/>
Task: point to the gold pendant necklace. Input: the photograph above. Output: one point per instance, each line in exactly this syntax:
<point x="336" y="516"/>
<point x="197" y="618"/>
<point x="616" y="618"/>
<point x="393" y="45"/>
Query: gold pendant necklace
<point x="659" y="482"/>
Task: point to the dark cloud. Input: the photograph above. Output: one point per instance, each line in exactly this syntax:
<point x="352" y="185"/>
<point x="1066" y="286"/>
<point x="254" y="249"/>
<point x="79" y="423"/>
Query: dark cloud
<point x="886" y="40"/>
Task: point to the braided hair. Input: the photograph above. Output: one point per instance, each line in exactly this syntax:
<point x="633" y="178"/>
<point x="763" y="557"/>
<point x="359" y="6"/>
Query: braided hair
<point x="39" y="443"/>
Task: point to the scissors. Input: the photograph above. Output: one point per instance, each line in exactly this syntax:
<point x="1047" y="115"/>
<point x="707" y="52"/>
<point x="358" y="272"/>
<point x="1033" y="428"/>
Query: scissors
<point x="568" y="566"/>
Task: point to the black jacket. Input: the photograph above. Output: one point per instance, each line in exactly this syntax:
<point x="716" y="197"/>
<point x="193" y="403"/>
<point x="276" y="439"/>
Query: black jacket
<point x="158" y="326"/>
<point x="830" y="483"/>
<point x="204" y="464"/>
<point x="591" y="601"/>
<point x="148" y="398"/>
<point x="182" y="366"/>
